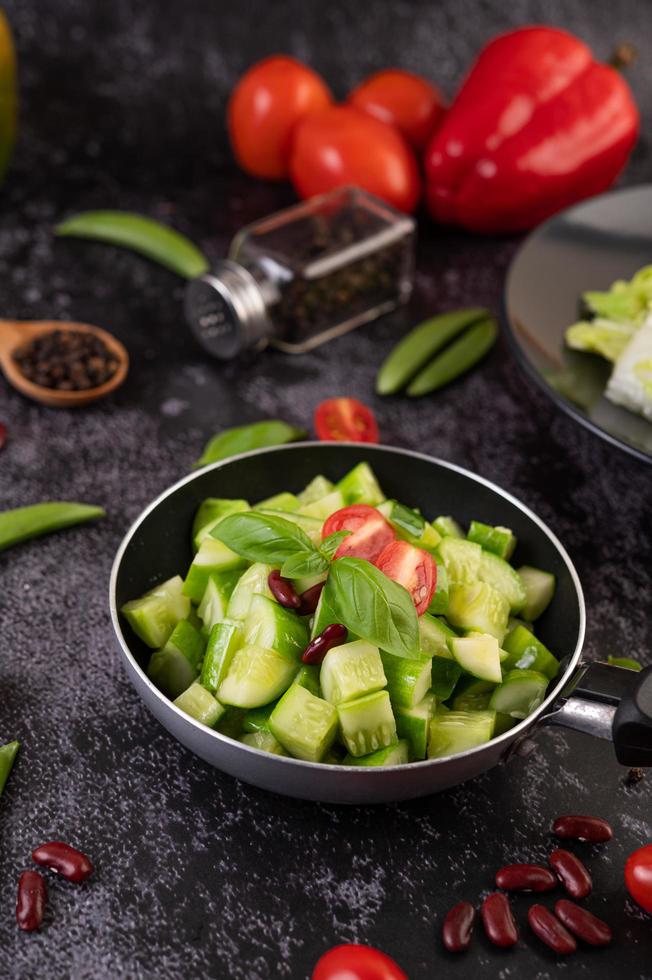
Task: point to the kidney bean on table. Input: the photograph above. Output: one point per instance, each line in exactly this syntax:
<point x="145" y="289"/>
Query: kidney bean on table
<point x="3" y="434"/>
<point x="64" y="859"/>
<point x="498" y="920"/>
<point x="583" y="923"/>
<point x="550" y="930"/>
<point x="595" y="830"/>
<point x="30" y="901"/>
<point x="525" y="878"/>
<point x="317" y="649"/>
<point x="571" y="872"/>
<point x="458" y="927"/>
<point x="283" y="590"/>
<point x="309" y="599"/>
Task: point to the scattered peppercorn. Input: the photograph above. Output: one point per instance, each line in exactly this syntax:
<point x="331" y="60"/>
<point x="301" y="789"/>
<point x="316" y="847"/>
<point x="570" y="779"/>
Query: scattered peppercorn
<point x="68" y="360"/>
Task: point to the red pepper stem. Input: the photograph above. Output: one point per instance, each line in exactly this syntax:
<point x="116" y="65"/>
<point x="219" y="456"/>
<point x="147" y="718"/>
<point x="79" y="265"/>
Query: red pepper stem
<point x="624" y="55"/>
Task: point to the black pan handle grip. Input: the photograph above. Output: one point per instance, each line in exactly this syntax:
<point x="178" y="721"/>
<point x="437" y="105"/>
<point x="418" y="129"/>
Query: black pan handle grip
<point x="632" y="725"/>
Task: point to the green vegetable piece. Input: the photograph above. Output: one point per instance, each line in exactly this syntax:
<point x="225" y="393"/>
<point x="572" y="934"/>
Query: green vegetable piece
<point x="600" y="336"/>
<point x="155" y="614"/>
<point x="212" y="558"/>
<point x="403" y="518"/>
<point x="264" y="741"/>
<point x="521" y="693"/>
<point x="460" y="558"/>
<point x="223" y="641"/>
<point x="539" y="590"/>
<point x="231" y="722"/>
<point x="461" y="356"/>
<point x="625" y="662"/>
<point x="255" y="677"/>
<point x="458" y="731"/>
<point x="472" y="694"/>
<point x="408" y="680"/>
<point x="478" y="655"/>
<point x="413" y="724"/>
<point x="318" y="487"/>
<point x="500" y="574"/>
<point x="270" y="625"/>
<point x="209" y="513"/>
<point x="478" y="607"/>
<point x="244" y="438"/>
<point x="433" y="636"/>
<point x="263" y="537"/>
<point x="311" y="526"/>
<point x="445" y="675"/>
<point x="24" y="523"/>
<point x="281" y="501"/>
<point x="200" y="705"/>
<point x="303" y="565"/>
<point x="216" y="598"/>
<point x="257" y="719"/>
<point x="360" y="486"/>
<point x="367" y="724"/>
<point x="499" y="540"/>
<point x="331" y="543"/>
<point x="503" y="723"/>
<point x="417" y="348"/>
<point x="8" y="754"/>
<point x="447" y="527"/>
<point x="305" y="725"/>
<point x="175" y="666"/>
<point x="308" y="677"/>
<point x="439" y="602"/>
<point x="325" y="506"/>
<point x="253" y="582"/>
<point x="525" y="652"/>
<point x="393" y="755"/>
<point x="351" y="670"/>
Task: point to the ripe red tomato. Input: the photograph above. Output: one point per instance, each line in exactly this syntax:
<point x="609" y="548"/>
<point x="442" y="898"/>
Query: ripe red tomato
<point x="412" y="568"/>
<point x="264" y="108"/>
<point x="345" y="420"/>
<point x="354" y="962"/>
<point x="370" y="532"/>
<point x="342" y="145"/>
<point x="401" y="99"/>
<point x="638" y="876"/>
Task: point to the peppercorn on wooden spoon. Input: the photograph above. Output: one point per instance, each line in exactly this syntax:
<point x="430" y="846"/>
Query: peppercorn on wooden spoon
<point x="15" y="333"/>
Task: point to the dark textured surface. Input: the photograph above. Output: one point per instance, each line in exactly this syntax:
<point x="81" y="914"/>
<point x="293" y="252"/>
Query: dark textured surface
<point x="198" y="875"/>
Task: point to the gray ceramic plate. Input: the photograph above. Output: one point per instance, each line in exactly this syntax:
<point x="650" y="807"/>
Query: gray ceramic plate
<point x="586" y="247"/>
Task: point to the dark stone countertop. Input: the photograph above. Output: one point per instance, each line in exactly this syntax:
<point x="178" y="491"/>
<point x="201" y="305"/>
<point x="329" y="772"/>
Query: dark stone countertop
<point x="198" y="875"/>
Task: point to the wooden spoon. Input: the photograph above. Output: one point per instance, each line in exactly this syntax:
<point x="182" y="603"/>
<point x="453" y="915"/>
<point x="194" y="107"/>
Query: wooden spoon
<point x="14" y="333"/>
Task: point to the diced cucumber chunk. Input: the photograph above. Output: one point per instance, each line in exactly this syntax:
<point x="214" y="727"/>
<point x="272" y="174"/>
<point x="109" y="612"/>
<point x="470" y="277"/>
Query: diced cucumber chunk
<point x="217" y="595"/>
<point x="408" y="680"/>
<point x="209" y="513"/>
<point x="478" y="606"/>
<point x="478" y="655"/>
<point x="626" y="662"/>
<point x="367" y="724"/>
<point x="252" y="582"/>
<point x="410" y="525"/>
<point x="175" y="666"/>
<point x="200" y="704"/>
<point x="231" y="722"/>
<point x="270" y="625"/>
<point x="311" y="525"/>
<point x="498" y="540"/>
<point x="155" y="614"/>
<point x="515" y="621"/>
<point x="445" y="675"/>
<point x="303" y="584"/>
<point x="472" y="694"/>
<point x="255" y="677"/>
<point x="439" y="602"/>
<point x="264" y="741"/>
<point x="360" y="486"/>
<point x="539" y="590"/>
<point x="212" y="558"/>
<point x="525" y="652"/>
<point x="224" y="639"/>
<point x="521" y="693"/>
<point x="461" y="559"/>
<point x="351" y="670"/>
<point x="433" y="636"/>
<point x="324" y="507"/>
<point x="280" y="501"/>
<point x="318" y="487"/>
<point x="503" y="723"/>
<point x="308" y="677"/>
<point x="304" y="725"/>
<point x="393" y="755"/>
<point x="447" y="527"/>
<point x="457" y="731"/>
<point x="502" y="577"/>
<point x="257" y="719"/>
<point x="413" y="724"/>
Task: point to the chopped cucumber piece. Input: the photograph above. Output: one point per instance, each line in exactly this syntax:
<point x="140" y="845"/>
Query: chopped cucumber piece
<point x="210" y="513"/>
<point x="264" y="741"/>
<point x="503" y="723"/>
<point x="281" y="501"/>
<point x="252" y="582"/>
<point x="498" y="540"/>
<point x="433" y="636"/>
<point x="360" y="486"/>
<point x="367" y="724"/>
<point x="445" y="675"/>
<point x="318" y="487"/>
<point x="200" y="704"/>
<point x="255" y="677"/>
<point x="393" y="755"/>
<point x="457" y="731"/>
<point x="478" y="606"/>
<point x="324" y="507"/>
<point x="439" y="602"/>
<point x="413" y="724"/>
<point x="447" y="527"/>
<point x="154" y="615"/>
<point x="502" y="577"/>
<point x="525" y="652"/>
<point x="351" y="670"/>
<point x="212" y="558"/>
<point x="410" y="525"/>
<point x="625" y="662"/>
<point x="303" y="584"/>
<point x="521" y="693"/>
<point x="231" y="722"/>
<point x="304" y="725"/>
<point x="175" y="666"/>
<point x="478" y="655"/>
<point x="407" y="680"/>
<point x="308" y="677"/>
<point x="539" y="590"/>
<point x="224" y="639"/>
<point x="270" y="625"/>
<point x="472" y="694"/>
<point x="311" y="525"/>
<point x="257" y="719"/>
<point x="461" y="559"/>
<point x="515" y="621"/>
<point x="216" y="598"/>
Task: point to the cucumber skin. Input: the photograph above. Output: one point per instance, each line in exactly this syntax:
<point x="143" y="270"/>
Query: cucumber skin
<point x="360" y="486"/>
<point x="526" y="650"/>
<point x="539" y="589"/>
<point x="257" y="719"/>
<point x="439" y="602"/>
<point x="445" y="675"/>
<point x="224" y="639"/>
<point x="253" y="581"/>
<point x="154" y="615"/>
<point x="198" y="576"/>
<point x="308" y="677"/>
<point x="515" y="679"/>
<point x="209" y="512"/>
<point x="394" y="755"/>
<point x="290" y="632"/>
<point x="498" y="540"/>
<point x="413" y="724"/>
<point x="408" y="680"/>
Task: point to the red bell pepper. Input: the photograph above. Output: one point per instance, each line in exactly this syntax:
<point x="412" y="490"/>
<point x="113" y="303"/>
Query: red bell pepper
<point x="537" y="125"/>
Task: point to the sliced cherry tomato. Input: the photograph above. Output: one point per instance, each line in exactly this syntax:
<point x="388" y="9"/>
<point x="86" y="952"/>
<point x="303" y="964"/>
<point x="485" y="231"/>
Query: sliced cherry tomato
<point x="266" y="105"/>
<point x="370" y="532"/>
<point x="411" y="567"/>
<point x="404" y="100"/>
<point x="345" y="420"/>
<point x="341" y="145"/>
<point x="354" y="962"/>
<point x="638" y="877"/>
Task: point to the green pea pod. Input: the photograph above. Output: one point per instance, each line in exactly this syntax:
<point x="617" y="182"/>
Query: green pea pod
<point x="24" y="523"/>
<point x="456" y="359"/>
<point x="7" y="757"/>
<point x="242" y="438"/>
<point x="625" y="662"/>
<point x="417" y="348"/>
<point x="150" y="238"/>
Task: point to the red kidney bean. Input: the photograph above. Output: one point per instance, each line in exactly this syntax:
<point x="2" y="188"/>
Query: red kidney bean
<point x="595" y="830"/>
<point x="458" y="927"/>
<point x="3" y="434"/>
<point x="64" y="859"/>
<point x="525" y="878"/>
<point x="310" y="598"/>
<point x="572" y="873"/>
<point x="317" y="649"/>
<point x="550" y="930"/>
<point x="498" y="920"/>
<point x="283" y="590"/>
<point x="583" y="923"/>
<point x="31" y="899"/>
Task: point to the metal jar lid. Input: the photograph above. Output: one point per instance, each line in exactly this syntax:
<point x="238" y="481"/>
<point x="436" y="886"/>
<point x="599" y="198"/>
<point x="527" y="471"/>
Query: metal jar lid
<point x="226" y="310"/>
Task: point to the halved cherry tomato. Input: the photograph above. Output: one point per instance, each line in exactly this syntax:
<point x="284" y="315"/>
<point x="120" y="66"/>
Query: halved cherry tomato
<point x="345" y="420"/>
<point x="354" y="962"/>
<point x="401" y="99"/>
<point x="638" y="876"/>
<point x="411" y="567"/>
<point x="370" y="532"/>
<point x="266" y="105"/>
<point x="342" y="145"/>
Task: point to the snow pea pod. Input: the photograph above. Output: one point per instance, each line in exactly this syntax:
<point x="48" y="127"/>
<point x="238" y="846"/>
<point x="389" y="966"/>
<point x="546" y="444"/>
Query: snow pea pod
<point x="24" y="523"/>
<point x="462" y="355"/>
<point x="417" y="348"/>
<point x="144" y="235"/>
<point x="7" y="756"/>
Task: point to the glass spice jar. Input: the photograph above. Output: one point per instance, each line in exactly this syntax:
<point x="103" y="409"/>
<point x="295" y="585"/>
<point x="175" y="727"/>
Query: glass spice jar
<point x="305" y="275"/>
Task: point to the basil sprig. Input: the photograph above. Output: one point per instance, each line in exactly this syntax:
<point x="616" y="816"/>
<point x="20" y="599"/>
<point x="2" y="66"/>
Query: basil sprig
<point x="242" y="438"/>
<point x="305" y="566"/>
<point x="263" y="537"/>
<point x="331" y="543"/>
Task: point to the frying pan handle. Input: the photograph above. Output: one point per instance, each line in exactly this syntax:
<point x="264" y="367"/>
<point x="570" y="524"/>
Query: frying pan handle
<point x="613" y="703"/>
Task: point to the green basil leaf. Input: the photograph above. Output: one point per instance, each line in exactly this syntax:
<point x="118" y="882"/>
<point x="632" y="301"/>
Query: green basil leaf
<point x="263" y="537"/>
<point x="304" y="566"/>
<point x="245" y="437"/>
<point x="372" y="606"/>
<point x="330" y="544"/>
